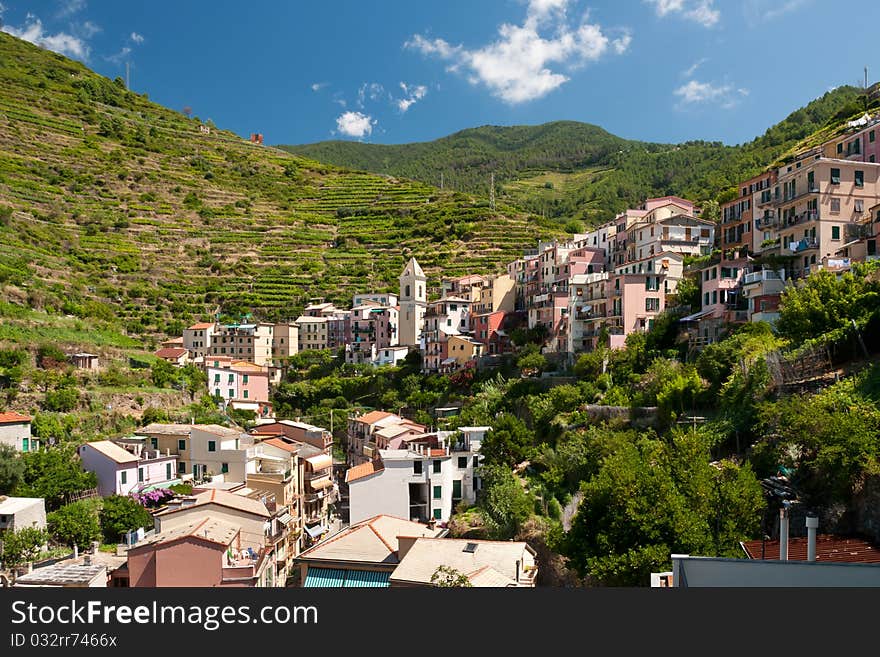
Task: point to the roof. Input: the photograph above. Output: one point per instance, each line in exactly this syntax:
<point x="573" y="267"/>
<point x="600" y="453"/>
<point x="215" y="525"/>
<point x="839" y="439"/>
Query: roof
<point x="207" y="529"/>
<point x="427" y="554"/>
<point x="345" y="578"/>
<point x="293" y="448"/>
<point x="170" y="352"/>
<point x="201" y="326"/>
<point x="113" y="451"/>
<point x="374" y="416"/>
<point x="488" y="577"/>
<point x="61" y="574"/>
<point x="12" y="505"/>
<point x="371" y="541"/>
<point x="413" y="269"/>
<point x="829" y="547"/>
<point x="394" y="430"/>
<point x="13" y="418"/>
<point x="363" y="470"/>
<point x="222" y="498"/>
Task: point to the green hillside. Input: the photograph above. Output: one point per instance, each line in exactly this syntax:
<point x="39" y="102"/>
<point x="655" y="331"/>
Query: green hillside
<point x="113" y="206"/>
<point x="599" y="174"/>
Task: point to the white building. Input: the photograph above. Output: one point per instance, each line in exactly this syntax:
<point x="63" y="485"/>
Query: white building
<point x="413" y="303"/>
<point x="122" y="472"/>
<point x="197" y="340"/>
<point x="19" y="512"/>
<point x="390" y="356"/>
<point x="422" y="482"/>
<point x="224" y="452"/>
<point x="15" y="431"/>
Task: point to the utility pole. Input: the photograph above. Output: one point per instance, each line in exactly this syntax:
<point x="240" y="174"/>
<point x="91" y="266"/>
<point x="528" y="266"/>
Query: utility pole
<point x="492" y="191"/>
<point x="127" y="76"/>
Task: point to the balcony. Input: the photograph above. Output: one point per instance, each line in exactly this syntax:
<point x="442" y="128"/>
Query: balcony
<point x="807" y="244"/>
<point x="755" y="277"/>
<point x="803" y="217"/>
<point x="788" y="199"/>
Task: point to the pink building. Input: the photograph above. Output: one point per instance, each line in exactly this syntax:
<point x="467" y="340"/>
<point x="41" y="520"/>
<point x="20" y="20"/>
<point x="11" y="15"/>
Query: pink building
<point x="204" y="553"/>
<point x="130" y="469"/>
<point x="239" y="381"/>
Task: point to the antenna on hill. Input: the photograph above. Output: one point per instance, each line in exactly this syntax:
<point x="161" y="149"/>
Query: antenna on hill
<point x="492" y="191"/>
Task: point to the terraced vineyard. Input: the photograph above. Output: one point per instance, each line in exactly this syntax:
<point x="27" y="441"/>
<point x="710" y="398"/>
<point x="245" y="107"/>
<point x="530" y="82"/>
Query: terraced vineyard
<point x="112" y="206"/>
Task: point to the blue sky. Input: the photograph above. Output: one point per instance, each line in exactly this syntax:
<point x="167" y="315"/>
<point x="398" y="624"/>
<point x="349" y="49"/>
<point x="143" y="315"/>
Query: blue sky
<point x="395" y="71"/>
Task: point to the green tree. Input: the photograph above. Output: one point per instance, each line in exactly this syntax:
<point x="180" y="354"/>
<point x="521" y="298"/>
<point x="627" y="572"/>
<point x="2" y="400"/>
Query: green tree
<point x="74" y="524"/>
<point x="195" y="380"/>
<point x="62" y="400"/>
<point x="11" y="469"/>
<point x="449" y="577"/>
<point x="503" y="501"/>
<point x="54" y="474"/>
<point x="22" y="545"/>
<point x="121" y="514"/>
<point x="164" y="374"/>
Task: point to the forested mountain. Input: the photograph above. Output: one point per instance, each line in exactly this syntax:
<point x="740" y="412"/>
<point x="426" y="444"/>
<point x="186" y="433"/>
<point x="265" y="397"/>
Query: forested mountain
<point x="592" y="173"/>
<point x="113" y="206"/>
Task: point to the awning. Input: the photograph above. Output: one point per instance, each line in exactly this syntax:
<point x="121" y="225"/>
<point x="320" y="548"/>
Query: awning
<point x="320" y="461"/>
<point x="695" y="316"/>
<point x="448" y="361"/>
<point x="319" y="484"/>
<point x="343" y="578"/>
<point x="315" y="532"/>
<point x="285" y="518"/>
<point x="164" y="484"/>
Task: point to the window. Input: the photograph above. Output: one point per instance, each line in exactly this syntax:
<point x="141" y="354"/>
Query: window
<point x="224" y="468"/>
<point x="706" y="299"/>
<point x="860" y="178"/>
<point x="231" y="376"/>
<point x="245" y="394"/>
<point x="859" y="205"/>
<point x="871" y="136"/>
<point x="212" y="445"/>
<point x="456" y="489"/>
<point x="167" y="471"/>
<point x="417" y="467"/>
<point x="840" y="148"/>
<point x="140" y="474"/>
<point x="652" y="304"/>
<point x="123" y="478"/>
<point x="25" y="445"/>
<point x="181" y="467"/>
<point x="216" y="392"/>
<point x="835" y="205"/>
<point x="835" y="176"/>
<point x="476" y="461"/>
<point x="835" y="232"/>
<point x="438" y="514"/>
<point x="244" y="379"/>
<point x="231" y="393"/>
<point x="714" y="297"/>
<point x="437" y="466"/>
<point x="217" y="377"/>
<point x="438" y="492"/>
<point x="462" y="462"/>
<point x="181" y="445"/>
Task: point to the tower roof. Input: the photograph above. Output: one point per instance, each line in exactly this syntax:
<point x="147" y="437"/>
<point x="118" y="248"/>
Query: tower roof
<point x="413" y="270"/>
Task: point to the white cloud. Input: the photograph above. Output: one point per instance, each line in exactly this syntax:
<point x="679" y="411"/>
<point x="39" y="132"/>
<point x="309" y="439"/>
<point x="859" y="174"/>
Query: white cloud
<point x="412" y="95"/>
<point x="85" y="30"/>
<point x="355" y="124"/>
<point x="63" y="43"/>
<point x="760" y="12"/>
<point x="2" y="9"/>
<point x="70" y="7"/>
<point x="317" y="86"/>
<point x="689" y="72"/>
<point x="695" y="92"/>
<point x="119" y="57"/>
<point x="516" y="67"/>
<point x="136" y="38"/>
<point x="370" y="90"/>
<point x="703" y="12"/>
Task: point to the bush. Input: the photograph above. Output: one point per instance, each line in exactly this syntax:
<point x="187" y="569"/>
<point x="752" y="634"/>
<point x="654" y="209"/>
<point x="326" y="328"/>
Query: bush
<point x="74" y="524"/>
<point x="120" y="515"/>
<point x="62" y="400"/>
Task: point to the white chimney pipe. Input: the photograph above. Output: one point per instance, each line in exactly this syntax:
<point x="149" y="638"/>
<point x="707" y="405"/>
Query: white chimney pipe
<point x="783" y="532"/>
<point x="75" y="551"/>
<point x="812" y="526"/>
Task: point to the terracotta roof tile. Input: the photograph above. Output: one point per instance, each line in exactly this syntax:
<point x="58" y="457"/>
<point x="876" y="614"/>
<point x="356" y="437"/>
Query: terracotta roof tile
<point x="829" y="547"/>
<point x="363" y="470"/>
<point x="13" y="417"/>
<point x="374" y="416"/>
<point x="170" y="352"/>
<point x="200" y="327"/>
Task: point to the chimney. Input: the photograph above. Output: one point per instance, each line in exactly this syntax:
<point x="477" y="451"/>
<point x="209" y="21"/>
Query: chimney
<point x="783" y="531"/>
<point x="812" y="526"/>
<point x="75" y="551"/>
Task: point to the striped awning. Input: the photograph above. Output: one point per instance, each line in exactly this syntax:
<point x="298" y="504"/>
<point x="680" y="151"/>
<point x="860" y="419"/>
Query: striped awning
<point x="323" y="482"/>
<point x="343" y="578"/>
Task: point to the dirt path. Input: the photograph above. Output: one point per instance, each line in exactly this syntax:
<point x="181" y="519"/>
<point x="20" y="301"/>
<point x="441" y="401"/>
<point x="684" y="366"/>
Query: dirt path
<point x="570" y="509"/>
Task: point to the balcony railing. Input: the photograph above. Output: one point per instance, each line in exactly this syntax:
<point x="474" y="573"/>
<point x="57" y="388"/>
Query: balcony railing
<point x="810" y="215"/>
<point x="803" y="245"/>
<point x="759" y="276"/>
